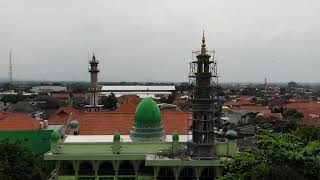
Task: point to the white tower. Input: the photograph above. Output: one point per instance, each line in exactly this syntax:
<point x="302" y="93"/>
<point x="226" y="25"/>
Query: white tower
<point x="94" y="90"/>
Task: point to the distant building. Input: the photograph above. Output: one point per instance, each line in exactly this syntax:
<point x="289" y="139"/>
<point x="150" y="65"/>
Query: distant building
<point x="22" y="107"/>
<point x="32" y="133"/>
<point x="48" y="89"/>
<point x="155" y="92"/>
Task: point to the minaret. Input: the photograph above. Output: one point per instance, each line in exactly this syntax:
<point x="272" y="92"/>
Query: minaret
<point x="203" y="77"/>
<point x="94" y="89"/>
<point x="265" y="84"/>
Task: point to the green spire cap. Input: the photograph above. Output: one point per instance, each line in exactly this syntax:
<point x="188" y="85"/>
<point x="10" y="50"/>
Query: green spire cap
<point x="55" y="136"/>
<point x="116" y="137"/>
<point x="147" y="113"/>
<point x="231" y="135"/>
<point x="74" y="124"/>
<point x="175" y="136"/>
<point x="203" y="45"/>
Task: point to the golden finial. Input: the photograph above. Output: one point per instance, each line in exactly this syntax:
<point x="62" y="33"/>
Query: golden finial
<point x="203" y="45"/>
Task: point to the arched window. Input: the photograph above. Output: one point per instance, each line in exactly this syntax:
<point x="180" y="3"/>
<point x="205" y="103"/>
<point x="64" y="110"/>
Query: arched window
<point x="86" y="169"/>
<point x="207" y="174"/>
<point x="106" y="169"/>
<point x="166" y="173"/>
<point x="187" y="174"/>
<point x="145" y="170"/>
<point x="66" y="168"/>
<point x="205" y="117"/>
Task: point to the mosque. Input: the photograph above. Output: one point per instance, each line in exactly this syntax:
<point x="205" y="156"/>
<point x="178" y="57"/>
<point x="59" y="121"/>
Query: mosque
<point x="147" y="144"/>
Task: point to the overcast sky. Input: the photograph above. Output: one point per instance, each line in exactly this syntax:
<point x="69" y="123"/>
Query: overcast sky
<point x="145" y="40"/>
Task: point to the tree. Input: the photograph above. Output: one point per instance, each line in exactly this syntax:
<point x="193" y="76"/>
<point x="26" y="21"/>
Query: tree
<point x="278" y="156"/>
<point x="183" y="87"/>
<point x="292" y="84"/>
<point x="292" y="113"/>
<point x="17" y="162"/>
<point x="109" y="102"/>
<point x="13" y="98"/>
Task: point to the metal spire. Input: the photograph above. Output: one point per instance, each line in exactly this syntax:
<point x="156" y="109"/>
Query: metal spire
<point x="93" y="57"/>
<point x="203" y="45"/>
<point x="10" y="68"/>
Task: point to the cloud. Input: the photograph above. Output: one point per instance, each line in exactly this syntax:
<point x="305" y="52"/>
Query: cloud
<point x="153" y="40"/>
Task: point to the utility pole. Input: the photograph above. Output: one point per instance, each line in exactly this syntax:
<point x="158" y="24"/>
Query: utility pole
<point x="10" y="68"/>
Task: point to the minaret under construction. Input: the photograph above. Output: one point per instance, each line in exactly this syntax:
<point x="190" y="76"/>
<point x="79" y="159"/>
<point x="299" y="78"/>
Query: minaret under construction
<point x="94" y="89"/>
<point x="204" y="80"/>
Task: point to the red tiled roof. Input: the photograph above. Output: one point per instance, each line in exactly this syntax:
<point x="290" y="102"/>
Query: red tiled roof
<point x="4" y="115"/>
<point x="79" y="95"/>
<point x="254" y="108"/>
<point x="305" y="105"/>
<point x="245" y="97"/>
<point x="238" y="103"/>
<point x="306" y="108"/>
<point x="61" y="115"/>
<point x="310" y="122"/>
<point x="95" y="123"/>
<point x="60" y="96"/>
<point x="18" y="122"/>
<point x="129" y="104"/>
<point x="269" y="117"/>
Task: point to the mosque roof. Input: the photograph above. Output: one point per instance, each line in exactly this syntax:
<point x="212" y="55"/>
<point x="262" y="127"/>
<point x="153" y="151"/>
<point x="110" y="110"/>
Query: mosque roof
<point x="107" y="123"/>
<point x="12" y="121"/>
<point x="147" y="113"/>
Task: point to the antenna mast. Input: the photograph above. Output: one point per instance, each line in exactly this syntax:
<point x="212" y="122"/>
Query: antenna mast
<point x="10" y="68"/>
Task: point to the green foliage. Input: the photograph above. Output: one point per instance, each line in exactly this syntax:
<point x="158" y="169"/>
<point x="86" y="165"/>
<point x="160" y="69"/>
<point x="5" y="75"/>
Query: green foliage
<point x="308" y="134"/>
<point x="285" y="126"/>
<point x="13" y="98"/>
<point x="17" y="162"/>
<point x="170" y="98"/>
<point x="183" y="87"/>
<point x="292" y="113"/>
<point x="292" y="84"/>
<point x="109" y="102"/>
<point x="293" y="155"/>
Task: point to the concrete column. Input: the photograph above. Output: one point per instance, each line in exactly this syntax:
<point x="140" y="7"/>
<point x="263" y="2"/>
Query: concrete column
<point x="198" y="171"/>
<point x="136" y="168"/>
<point x="76" y="168"/>
<point x="116" y="165"/>
<point x="57" y="166"/>
<point x="95" y="166"/>
<point x="176" y="171"/>
<point x="155" y="172"/>
<point x="217" y="172"/>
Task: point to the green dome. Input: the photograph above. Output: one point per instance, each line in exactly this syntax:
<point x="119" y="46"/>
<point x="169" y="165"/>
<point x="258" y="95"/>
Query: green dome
<point x="175" y="137"/>
<point x="55" y="136"/>
<point x="231" y="134"/>
<point x="74" y="124"/>
<point x="116" y="137"/>
<point x="147" y="113"/>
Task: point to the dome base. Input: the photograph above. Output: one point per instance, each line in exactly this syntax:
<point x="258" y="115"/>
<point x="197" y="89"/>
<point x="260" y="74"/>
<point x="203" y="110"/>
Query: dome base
<point x="147" y="133"/>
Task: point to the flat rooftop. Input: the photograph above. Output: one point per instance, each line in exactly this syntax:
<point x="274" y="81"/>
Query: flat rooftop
<point x="109" y="138"/>
<point x="138" y="88"/>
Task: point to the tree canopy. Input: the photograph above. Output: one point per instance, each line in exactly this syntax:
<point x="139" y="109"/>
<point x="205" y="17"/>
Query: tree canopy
<point x="13" y="98"/>
<point x="294" y="155"/>
<point x="17" y="162"/>
<point x="109" y="102"/>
